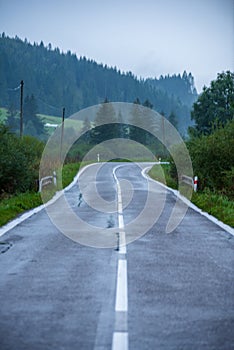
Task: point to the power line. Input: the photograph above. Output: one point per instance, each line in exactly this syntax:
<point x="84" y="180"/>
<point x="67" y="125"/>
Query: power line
<point x="14" y="89"/>
<point x="21" y="107"/>
<point x="55" y="108"/>
<point x="48" y="105"/>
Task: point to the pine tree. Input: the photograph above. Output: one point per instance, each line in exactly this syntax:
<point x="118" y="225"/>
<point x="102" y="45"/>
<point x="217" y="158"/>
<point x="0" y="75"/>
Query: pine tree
<point x="122" y="127"/>
<point x="148" y="104"/>
<point x="13" y="119"/>
<point x="32" y="123"/>
<point x="173" y="120"/>
<point x="86" y="131"/>
<point x="143" y="119"/>
<point x="105" y="122"/>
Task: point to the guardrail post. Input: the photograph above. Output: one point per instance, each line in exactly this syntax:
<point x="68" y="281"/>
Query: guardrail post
<point x="40" y="185"/>
<point x="195" y="181"/>
<point x="55" y="178"/>
<point x="47" y="180"/>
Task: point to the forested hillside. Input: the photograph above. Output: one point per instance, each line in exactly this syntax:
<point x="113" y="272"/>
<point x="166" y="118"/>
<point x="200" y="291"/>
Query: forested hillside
<point x="177" y="86"/>
<point x="58" y="79"/>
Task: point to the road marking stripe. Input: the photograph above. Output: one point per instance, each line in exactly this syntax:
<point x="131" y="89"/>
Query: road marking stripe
<point x="120" y="208"/>
<point x="121" y="303"/>
<point x="122" y="243"/>
<point x="121" y="222"/>
<point x="120" y="341"/>
<point x="120" y="335"/>
<point x="121" y="321"/>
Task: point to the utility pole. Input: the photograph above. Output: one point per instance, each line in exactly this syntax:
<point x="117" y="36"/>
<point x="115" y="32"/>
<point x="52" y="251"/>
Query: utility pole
<point x="62" y="132"/>
<point x="21" y="106"/>
<point x="163" y="136"/>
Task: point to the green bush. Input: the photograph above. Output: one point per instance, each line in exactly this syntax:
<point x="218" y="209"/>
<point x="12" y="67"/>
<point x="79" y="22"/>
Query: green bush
<point x="213" y="159"/>
<point x="19" y="162"/>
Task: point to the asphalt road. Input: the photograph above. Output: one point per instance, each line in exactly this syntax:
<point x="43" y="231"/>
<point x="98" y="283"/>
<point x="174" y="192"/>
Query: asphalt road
<point x="161" y="291"/>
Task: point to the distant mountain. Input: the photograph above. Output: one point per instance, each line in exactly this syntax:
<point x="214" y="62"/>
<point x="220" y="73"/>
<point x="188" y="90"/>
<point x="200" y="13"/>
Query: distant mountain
<point x="58" y="79"/>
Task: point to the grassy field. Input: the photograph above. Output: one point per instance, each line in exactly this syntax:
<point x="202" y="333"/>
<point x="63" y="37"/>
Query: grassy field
<point x="48" y="119"/>
<point x="58" y="120"/>
<point x="213" y="203"/>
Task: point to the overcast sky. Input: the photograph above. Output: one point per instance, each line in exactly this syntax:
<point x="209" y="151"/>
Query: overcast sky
<point x="149" y="38"/>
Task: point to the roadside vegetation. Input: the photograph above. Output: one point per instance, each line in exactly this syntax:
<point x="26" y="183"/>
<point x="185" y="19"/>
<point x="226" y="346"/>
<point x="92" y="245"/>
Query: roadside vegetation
<point x="211" y="145"/>
<point x="214" y="203"/>
<point x="19" y="169"/>
<point x="161" y="173"/>
<point x="59" y="79"/>
<point x="11" y="205"/>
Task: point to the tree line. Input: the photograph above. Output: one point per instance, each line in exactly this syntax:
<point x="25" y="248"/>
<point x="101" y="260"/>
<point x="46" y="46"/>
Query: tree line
<point x="109" y="123"/>
<point x="58" y="79"/>
<point x="211" y="139"/>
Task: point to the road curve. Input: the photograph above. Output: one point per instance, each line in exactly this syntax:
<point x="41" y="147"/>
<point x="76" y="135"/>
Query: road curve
<point x="161" y="291"/>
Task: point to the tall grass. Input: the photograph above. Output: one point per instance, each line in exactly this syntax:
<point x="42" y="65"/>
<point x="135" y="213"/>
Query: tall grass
<point x="215" y="204"/>
<point x="17" y="204"/>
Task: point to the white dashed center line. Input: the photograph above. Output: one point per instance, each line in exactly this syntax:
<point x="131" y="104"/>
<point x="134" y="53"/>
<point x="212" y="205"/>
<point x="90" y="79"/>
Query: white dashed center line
<point x="120" y="334"/>
<point x="121" y="301"/>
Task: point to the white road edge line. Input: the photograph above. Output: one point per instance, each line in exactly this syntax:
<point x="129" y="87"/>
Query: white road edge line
<point x="4" y="229"/>
<point x="225" y="227"/>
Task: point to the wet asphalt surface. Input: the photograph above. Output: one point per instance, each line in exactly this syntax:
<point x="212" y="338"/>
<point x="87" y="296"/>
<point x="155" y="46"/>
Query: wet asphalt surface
<point x="59" y="294"/>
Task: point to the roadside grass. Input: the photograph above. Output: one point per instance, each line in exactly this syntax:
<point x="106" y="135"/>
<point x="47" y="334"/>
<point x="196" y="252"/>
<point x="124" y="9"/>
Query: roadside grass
<point x="69" y="172"/>
<point x="13" y="205"/>
<point x="161" y="174"/>
<point x="215" y="204"/>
